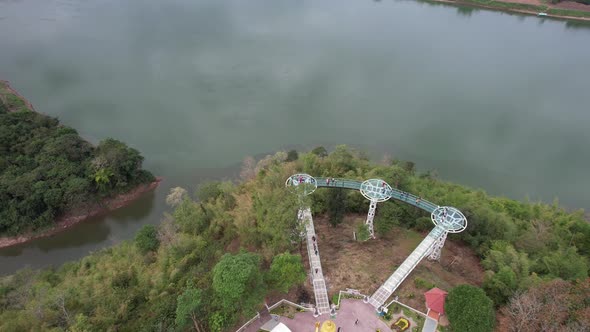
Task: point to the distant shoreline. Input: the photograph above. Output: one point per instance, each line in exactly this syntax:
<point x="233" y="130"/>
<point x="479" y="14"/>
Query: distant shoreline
<point x="72" y="218"/>
<point x="520" y="8"/>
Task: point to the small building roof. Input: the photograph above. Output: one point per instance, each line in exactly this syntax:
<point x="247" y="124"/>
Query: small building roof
<point x="281" y="328"/>
<point x="435" y="300"/>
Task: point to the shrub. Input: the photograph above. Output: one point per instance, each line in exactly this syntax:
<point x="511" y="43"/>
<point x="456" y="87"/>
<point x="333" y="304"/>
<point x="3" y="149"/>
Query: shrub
<point x="285" y="271"/>
<point x="335" y="299"/>
<point x="320" y="151"/>
<point x="470" y="309"/>
<point x="302" y="295"/>
<point x="292" y="155"/>
<point x="362" y="232"/>
<point x="146" y="239"/>
<point x="424" y="284"/>
<point x="387" y="316"/>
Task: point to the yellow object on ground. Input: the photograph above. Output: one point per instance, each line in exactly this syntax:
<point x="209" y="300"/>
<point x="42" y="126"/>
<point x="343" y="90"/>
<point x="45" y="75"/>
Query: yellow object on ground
<point x="402" y="324"/>
<point x="328" y="326"/>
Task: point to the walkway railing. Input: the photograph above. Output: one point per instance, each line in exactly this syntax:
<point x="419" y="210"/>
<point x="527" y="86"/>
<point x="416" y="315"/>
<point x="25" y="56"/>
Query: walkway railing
<point x="402" y="272"/>
<point x="283" y="301"/>
<point x="243" y="327"/>
<point x="397" y="194"/>
<point x="351" y="292"/>
<point x="313" y="252"/>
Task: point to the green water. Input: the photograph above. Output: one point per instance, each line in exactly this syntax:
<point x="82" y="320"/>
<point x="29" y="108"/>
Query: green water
<point x="489" y="100"/>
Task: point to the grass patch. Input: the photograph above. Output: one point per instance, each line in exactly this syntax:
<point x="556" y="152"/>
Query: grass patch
<point x="394" y="308"/>
<point x="535" y="8"/>
<point x="423" y="283"/>
<point x="410" y="239"/>
<point x="335" y="299"/>
<point x="510" y="5"/>
<point x="362" y="233"/>
<point x="420" y="321"/>
<point x="523" y="6"/>
<point x="351" y="296"/>
<point x="10" y="101"/>
<point x="506" y="5"/>
<point x="568" y="12"/>
<point x="14" y="101"/>
<point x="285" y="311"/>
<point x="407" y="312"/>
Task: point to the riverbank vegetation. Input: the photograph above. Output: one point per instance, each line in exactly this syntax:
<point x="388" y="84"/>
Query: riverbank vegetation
<point x="211" y="262"/>
<point x="47" y="169"/>
<point x="552" y="8"/>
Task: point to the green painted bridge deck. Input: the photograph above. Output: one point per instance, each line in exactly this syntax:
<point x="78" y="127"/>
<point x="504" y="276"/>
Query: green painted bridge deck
<point x="393" y="192"/>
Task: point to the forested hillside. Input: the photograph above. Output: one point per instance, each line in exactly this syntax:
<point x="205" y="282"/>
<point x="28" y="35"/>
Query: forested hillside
<point x="209" y="265"/>
<point x="47" y="169"/>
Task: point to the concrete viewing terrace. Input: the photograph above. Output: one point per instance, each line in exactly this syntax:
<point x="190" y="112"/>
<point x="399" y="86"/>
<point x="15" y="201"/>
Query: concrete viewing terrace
<point x="350" y="310"/>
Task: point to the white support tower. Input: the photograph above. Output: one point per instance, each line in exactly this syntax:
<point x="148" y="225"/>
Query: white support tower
<point x="375" y="190"/>
<point x="437" y="247"/>
<point x="370" y="217"/>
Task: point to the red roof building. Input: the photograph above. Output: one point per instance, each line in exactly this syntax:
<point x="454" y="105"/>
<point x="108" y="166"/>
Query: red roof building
<point x="435" y="302"/>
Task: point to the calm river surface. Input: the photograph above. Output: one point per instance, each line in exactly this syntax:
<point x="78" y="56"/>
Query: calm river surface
<point x="488" y="99"/>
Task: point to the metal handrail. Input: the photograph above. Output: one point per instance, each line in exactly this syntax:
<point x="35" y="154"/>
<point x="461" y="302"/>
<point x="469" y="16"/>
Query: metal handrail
<point x="394" y="193"/>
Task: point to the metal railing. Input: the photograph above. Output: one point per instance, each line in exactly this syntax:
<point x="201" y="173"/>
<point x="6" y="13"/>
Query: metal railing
<point x="243" y="327"/>
<point x="395" y="193"/>
<point x="315" y="264"/>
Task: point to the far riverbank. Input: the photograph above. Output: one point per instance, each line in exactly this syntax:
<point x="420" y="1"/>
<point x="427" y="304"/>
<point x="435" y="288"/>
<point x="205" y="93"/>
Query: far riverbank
<point x="72" y="218"/>
<point x="527" y="8"/>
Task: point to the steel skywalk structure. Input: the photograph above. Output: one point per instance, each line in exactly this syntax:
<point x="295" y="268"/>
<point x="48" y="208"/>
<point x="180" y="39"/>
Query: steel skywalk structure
<point x="445" y="218"/>
<point x="313" y="253"/>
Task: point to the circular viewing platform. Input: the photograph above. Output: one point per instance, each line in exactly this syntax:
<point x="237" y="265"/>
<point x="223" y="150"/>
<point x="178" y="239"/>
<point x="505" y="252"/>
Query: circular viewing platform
<point x="301" y="184"/>
<point x="376" y="190"/>
<point x="449" y="218"/>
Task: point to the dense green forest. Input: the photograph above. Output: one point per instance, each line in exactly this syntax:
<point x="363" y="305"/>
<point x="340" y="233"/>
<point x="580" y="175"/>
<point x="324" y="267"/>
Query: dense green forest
<point x="47" y="169"/>
<point x="211" y="262"/>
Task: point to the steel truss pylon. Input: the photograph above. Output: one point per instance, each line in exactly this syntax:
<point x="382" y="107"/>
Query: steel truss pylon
<point x="370" y="217"/>
<point x="437" y="247"/>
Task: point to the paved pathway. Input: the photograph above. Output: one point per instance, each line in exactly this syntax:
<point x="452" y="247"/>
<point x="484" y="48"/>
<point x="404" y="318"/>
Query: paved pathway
<point x="350" y="311"/>
<point x="429" y="325"/>
<point x="313" y="252"/>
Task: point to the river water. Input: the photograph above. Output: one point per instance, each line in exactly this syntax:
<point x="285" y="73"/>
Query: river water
<point x="488" y="99"/>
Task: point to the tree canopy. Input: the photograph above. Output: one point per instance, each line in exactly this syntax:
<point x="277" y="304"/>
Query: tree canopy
<point x="286" y="271"/>
<point x="200" y="269"/>
<point x="47" y="169"/>
<point x="146" y="239"/>
<point x="469" y="309"/>
<point x="237" y="280"/>
<point x="555" y="305"/>
<point x="190" y="305"/>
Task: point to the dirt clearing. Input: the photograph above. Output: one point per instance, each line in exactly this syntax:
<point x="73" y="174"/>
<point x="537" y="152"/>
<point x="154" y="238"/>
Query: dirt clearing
<point x="366" y="265"/>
